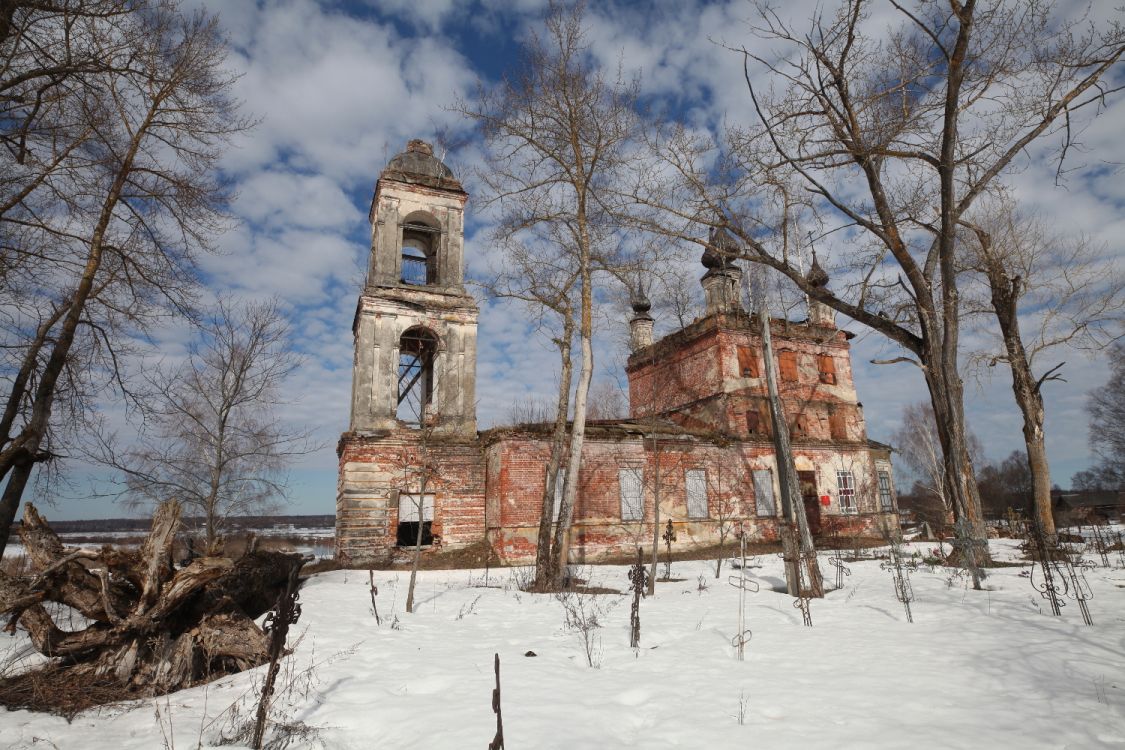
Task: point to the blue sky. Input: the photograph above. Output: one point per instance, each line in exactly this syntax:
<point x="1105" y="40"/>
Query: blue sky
<point x="339" y="88"/>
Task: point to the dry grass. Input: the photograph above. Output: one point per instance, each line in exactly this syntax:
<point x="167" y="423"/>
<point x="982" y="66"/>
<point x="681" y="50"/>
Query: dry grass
<point x="62" y="691"/>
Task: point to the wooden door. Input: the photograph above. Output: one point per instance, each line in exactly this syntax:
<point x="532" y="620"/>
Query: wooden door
<point x="807" y="482"/>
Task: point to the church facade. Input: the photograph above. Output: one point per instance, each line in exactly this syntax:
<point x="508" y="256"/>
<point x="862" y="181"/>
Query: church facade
<point x="697" y="440"/>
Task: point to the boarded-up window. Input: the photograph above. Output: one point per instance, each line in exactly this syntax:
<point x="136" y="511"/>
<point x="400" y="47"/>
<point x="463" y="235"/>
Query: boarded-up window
<point x="763" y="493"/>
<point x="845" y="483"/>
<point x="837" y="424"/>
<point x="827" y="366"/>
<point x="411" y="509"/>
<point x="885" y="500"/>
<point x="632" y="495"/>
<point x="747" y="362"/>
<point x="787" y="363"/>
<point x="696" y="483"/>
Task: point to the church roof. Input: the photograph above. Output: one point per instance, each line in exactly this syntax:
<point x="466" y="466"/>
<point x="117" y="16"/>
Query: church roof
<point x="417" y="164"/>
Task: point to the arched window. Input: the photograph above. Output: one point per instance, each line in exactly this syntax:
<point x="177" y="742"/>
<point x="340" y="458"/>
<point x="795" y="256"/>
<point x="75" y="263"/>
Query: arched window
<point x="419" y="254"/>
<point x="417" y="350"/>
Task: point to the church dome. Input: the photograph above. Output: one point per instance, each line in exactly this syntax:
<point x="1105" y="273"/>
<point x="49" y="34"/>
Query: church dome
<point x="417" y="164"/>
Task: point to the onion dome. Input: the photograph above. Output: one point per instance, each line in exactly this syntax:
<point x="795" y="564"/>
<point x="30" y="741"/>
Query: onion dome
<point x="721" y="249"/>
<point x="640" y="302"/>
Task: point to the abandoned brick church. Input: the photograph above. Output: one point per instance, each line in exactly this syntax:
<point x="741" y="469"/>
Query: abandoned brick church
<point x="699" y="424"/>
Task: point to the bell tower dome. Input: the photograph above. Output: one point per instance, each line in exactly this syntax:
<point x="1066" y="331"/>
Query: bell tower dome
<point x="415" y="326"/>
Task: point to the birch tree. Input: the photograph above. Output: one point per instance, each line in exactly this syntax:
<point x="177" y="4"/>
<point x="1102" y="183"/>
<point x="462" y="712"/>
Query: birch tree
<point x="558" y="132"/>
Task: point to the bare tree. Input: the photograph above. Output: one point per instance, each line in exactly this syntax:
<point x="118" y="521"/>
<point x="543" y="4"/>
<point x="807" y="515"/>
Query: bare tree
<point x="1106" y="407"/>
<point x="114" y="193"/>
<point x="894" y="135"/>
<point x="215" y="440"/>
<point x="917" y="443"/>
<point x="538" y="272"/>
<point x="1078" y="298"/>
<point x="605" y="401"/>
<point x="557" y="133"/>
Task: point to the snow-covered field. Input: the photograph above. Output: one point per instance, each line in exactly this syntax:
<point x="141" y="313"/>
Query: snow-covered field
<point x="976" y="669"/>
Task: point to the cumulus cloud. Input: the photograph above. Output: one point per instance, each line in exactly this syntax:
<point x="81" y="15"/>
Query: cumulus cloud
<point x="339" y="89"/>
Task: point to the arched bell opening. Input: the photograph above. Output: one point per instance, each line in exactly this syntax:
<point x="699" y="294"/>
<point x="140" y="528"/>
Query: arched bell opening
<point x="419" y="254"/>
<point x="417" y="351"/>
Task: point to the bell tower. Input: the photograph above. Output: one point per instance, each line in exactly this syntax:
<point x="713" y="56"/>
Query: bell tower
<point x="415" y="327"/>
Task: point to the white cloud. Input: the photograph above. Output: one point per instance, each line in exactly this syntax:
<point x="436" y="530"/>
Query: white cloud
<point x="339" y="91"/>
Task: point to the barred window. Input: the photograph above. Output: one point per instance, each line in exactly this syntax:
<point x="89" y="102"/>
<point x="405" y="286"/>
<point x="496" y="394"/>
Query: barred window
<point x="886" y="502"/>
<point x="632" y="493"/>
<point x="763" y="493"/>
<point x="845" y="483"/>
<point x="696" y="483"/>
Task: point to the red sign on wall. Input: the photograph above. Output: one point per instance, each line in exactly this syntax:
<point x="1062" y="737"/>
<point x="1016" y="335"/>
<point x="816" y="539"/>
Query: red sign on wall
<point x="825" y="499"/>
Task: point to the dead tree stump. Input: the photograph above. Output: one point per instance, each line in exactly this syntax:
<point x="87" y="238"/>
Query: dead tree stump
<point x="151" y="629"/>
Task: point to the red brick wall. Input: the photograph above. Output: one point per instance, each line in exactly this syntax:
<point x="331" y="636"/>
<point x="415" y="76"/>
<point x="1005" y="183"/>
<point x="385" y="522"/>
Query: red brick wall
<point x="516" y="477"/>
<point x="372" y="469"/>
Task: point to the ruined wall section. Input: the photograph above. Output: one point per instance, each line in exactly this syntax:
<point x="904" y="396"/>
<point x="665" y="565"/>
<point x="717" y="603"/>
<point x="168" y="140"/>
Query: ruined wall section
<point x="711" y="375"/>
<point x="375" y="470"/>
<point x="516" y="477"/>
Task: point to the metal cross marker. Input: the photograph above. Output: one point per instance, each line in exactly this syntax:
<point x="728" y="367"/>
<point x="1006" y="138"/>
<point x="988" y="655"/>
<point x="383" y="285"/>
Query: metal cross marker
<point x="743" y="584"/>
<point x="901" y="570"/>
<point x="1054" y="560"/>
<point x="836" y="559"/>
<point x="799" y="564"/>
<point x="1100" y="543"/>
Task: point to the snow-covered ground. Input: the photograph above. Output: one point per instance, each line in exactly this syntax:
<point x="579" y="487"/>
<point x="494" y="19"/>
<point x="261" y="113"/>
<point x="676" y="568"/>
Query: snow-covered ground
<point x="976" y="669"/>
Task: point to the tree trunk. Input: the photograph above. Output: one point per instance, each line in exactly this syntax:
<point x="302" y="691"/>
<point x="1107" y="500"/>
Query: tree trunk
<point x="543" y="568"/>
<point x="421" y="527"/>
<point x="152" y="627"/>
<point x="655" y="516"/>
<point x="560" y="550"/>
<point x="1005" y="294"/>
<point x="946" y="397"/>
<point x="792" y="505"/>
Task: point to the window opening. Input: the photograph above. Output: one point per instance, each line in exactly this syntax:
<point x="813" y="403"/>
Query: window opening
<point x="758" y="420"/>
<point x="800" y="426"/>
<point x="827" y="366"/>
<point x="885" y="499"/>
<point x="845" y="482"/>
<point x="419" y="266"/>
<point x="763" y="493"/>
<point x="412" y="510"/>
<point x="417" y="350"/>
<point x="696" y="483"/>
<point x="632" y="497"/>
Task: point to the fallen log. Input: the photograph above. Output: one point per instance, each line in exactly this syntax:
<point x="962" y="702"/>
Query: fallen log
<point x="149" y="628"/>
